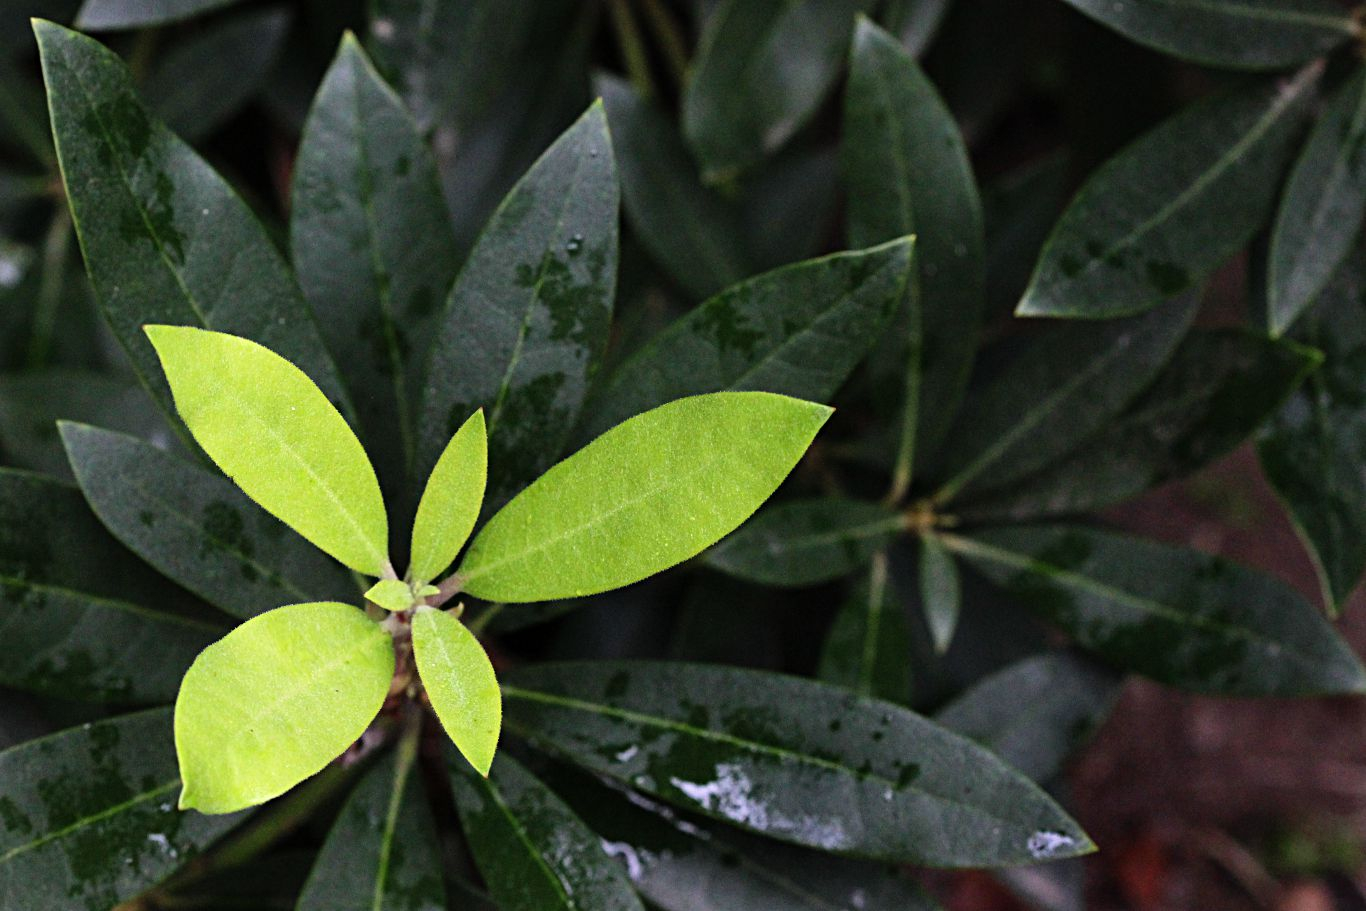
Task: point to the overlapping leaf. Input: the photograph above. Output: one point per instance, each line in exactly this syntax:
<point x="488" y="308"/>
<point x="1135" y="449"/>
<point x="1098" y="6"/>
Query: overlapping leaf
<point x="868" y="647"/>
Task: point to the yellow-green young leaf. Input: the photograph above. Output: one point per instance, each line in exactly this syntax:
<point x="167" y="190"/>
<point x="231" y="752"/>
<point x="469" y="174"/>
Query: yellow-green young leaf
<point x="391" y="594"/>
<point x="451" y="502"/>
<point x="275" y="701"/>
<point x="648" y="494"/>
<point x="460" y="682"/>
<point x="265" y="423"/>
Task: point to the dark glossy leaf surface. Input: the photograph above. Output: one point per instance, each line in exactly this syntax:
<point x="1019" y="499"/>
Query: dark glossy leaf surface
<point x="31" y="403"/>
<point x="534" y="853"/>
<point x="198" y="528"/>
<point x="206" y="79"/>
<point x="89" y="816"/>
<point x="907" y="171"/>
<point x="373" y="249"/>
<point x="165" y="239"/>
<point x="1035" y="713"/>
<point x="796" y="760"/>
<point x="1171" y="207"/>
<point x="1245" y="34"/>
<point x="1064" y="386"/>
<point x="1181" y="617"/>
<point x="799" y="331"/>
<point x="868" y="648"/>
<point x="528" y="318"/>
<point x="67" y="626"/>
<point x="1219" y="387"/>
<point x="1311" y="451"/>
<point x="761" y="69"/>
<point x="97" y="15"/>
<point x="1322" y="209"/>
<point x="382" y="852"/>
<point x="690" y="230"/>
<point x="804" y="542"/>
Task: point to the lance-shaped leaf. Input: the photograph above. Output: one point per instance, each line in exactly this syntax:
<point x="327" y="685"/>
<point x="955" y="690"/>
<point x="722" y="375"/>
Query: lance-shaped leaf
<point x="263" y="421"/>
<point x="197" y="528"/>
<point x="762" y="69"/>
<point x="907" y="171"/>
<point x="373" y="248"/>
<point x="1180" y="617"/>
<point x="450" y="504"/>
<point x="646" y="495"/>
<point x="461" y="684"/>
<point x="32" y="403"/>
<point x="1035" y="713"/>
<point x="90" y="817"/>
<point x="940" y="591"/>
<point x="69" y="628"/>
<point x="1019" y="210"/>
<point x="534" y="853"/>
<point x="689" y="229"/>
<point x="1321" y="213"/>
<point x="275" y="701"/>
<point x="1219" y="387"/>
<point x="804" y="542"/>
<point x="1311" y="452"/>
<point x="1171" y="207"/>
<point x="796" y="760"/>
<point x="1243" y="34"/>
<point x="1066" y="384"/>
<point x="110" y="15"/>
<point x="165" y="239"/>
<point x="382" y="852"/>
<point x="799" y="330"/>
<point x="868" y="648"/>
<point x="528" y="318"/>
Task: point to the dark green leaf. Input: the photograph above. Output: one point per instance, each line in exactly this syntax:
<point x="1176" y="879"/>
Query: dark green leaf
<point x="1181" y="617"/>
<point x="1321" y="211"/>
<point x="373" y="249"/>
<point x="796" y="760"/>
<point x="1068" y="382"/>
<point x="907" y="170"/>
<point x="165" y="239"/>
<point x="97" y="15"/>
<point x="1019" y="210"/>
<point x="207" y="78"/>
<point x="690" y="230"/>
<point x="528" y="317"/>
<point x="90" y="818"/>
<point x="31" y="404"/>
<point x="1168" y="210"/>
<point x="23" y="117"/>
<point x="1219" y="387"/>
<point x="1245" y="34"/>
<point x="67" y="627"/>
<point x="382" y="851"/>
<point x="762" y="69"/>
<point x="940" y="594"/>
<point x="804" y="542"/>
<point x="1035" y="713"/>
<point x="198" y="528"/>
<point x="915" y="22"/>
<point x="534" y="853"/>
<point x="1311" y="452"/>
<point x="868" y="648"/>
<point x="799" y="331"/>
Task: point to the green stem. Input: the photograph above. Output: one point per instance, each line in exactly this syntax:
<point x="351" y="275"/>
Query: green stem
<point x="669" y="34"/>
<point x="56" y="247"/>
<point x="632" y="47"/>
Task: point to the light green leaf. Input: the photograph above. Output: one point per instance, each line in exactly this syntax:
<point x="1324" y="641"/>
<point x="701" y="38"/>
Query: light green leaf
<point x="646" y="495"/>
<point x="940" y="592"/>
<point x="391" y="594"/>
<point x="868" y="647"/>
<point x="459" y="680"/>
<point x="1321" y="213"/>
<point x="276" y="700"/>
<point x="450" y="504"/>
<point x="1168" y="210"/>
<point x="264" y="422"/>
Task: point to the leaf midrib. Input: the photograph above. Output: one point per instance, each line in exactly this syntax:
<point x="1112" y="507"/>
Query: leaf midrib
<point x="86" y="821"/>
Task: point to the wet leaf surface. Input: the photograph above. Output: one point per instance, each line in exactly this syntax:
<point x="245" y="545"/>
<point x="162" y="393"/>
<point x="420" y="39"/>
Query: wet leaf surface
<point x="796" y="760"/>
<point x="197" y="528"/>
<point x="868" y="647"/>
<point x="1178" y="616"/>
<point x="1171" y="207"/>
<point x="534" y="853"/>
<point x="88" y="816"/>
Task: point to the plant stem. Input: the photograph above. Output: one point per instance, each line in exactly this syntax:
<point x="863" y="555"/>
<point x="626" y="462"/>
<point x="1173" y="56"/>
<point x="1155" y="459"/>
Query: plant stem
<point x="477" y="625"/>
<point x="669" y="34"/>
<point x="632" y="47"/>
<point x="56" y="246"/>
